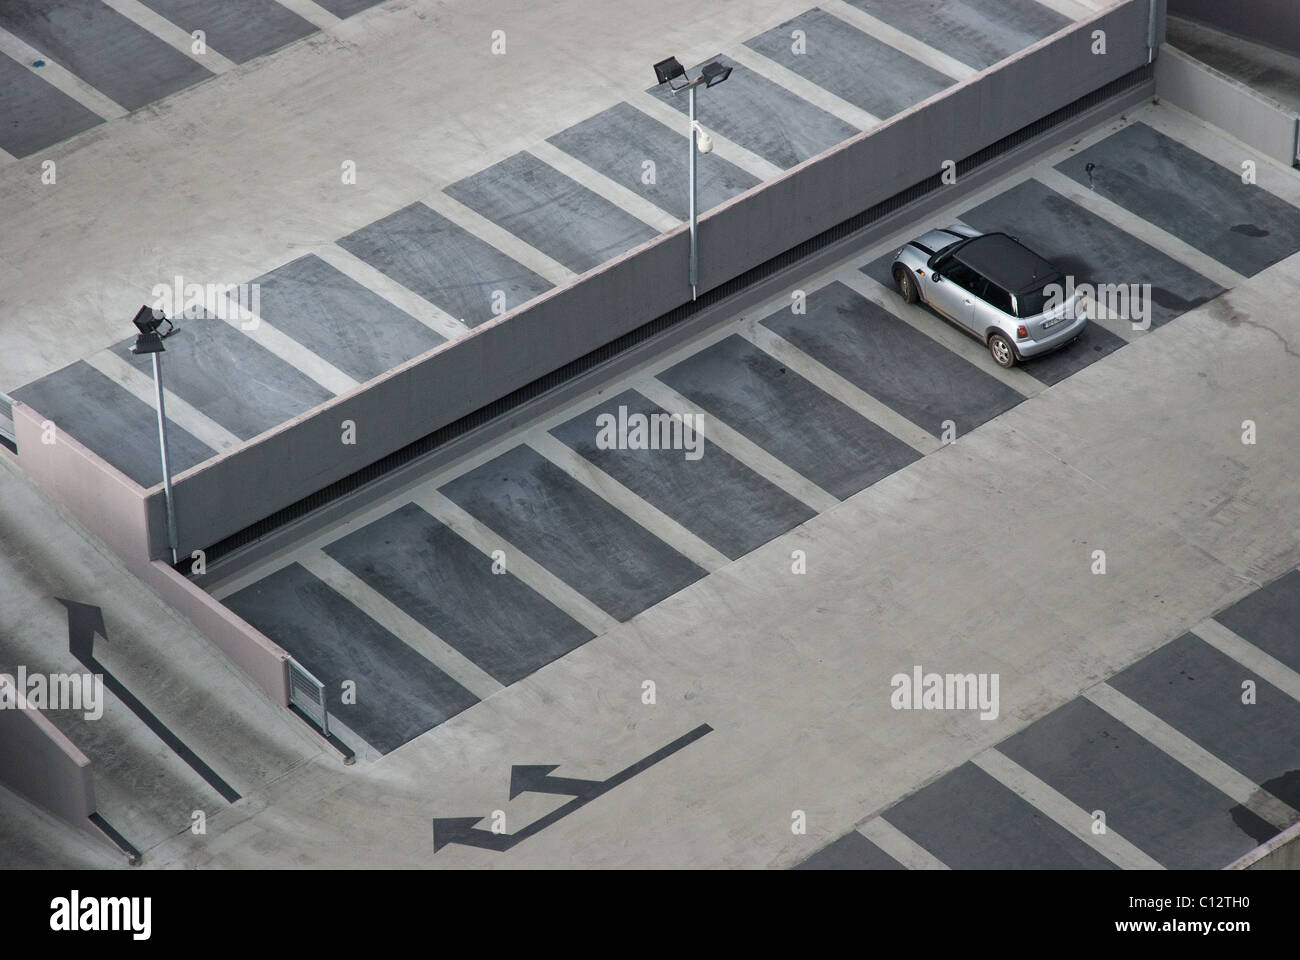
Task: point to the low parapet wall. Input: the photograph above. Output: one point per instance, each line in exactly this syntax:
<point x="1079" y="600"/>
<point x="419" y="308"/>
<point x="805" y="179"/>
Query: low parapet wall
<point x="38" y="762"/>
<point x="1253" y="119"/>
<point x="118" y="511"/>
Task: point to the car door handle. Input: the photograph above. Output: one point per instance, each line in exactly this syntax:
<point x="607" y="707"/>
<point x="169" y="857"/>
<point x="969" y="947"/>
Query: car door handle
<point x="969" y="300"/>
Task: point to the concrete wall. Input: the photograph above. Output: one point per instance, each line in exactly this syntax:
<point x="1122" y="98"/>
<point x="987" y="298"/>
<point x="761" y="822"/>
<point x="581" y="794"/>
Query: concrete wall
<point x="117" y="510"/>
<point x="1272" y="22"/>
<point x="1280" y="853"/>
<point x="1226" y="103"/>
<point x="38" y="762"/>
<point x="243" y="486"/>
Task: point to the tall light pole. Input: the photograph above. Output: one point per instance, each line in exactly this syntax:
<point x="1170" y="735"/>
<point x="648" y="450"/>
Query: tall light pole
<point x="711" y="74"/>
<point x="151" y="342"/>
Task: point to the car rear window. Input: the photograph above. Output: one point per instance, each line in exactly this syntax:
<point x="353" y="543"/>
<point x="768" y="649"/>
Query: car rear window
<point x="1034" y="301"/>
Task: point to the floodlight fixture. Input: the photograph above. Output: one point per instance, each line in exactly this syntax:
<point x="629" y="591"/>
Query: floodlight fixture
<point x="666" y="71"/>
<point x="714" y="73"/>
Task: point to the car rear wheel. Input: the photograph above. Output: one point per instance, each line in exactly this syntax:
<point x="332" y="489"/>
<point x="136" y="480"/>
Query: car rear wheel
<point x="906" y="284"/>
<point x="1004" y="355"/>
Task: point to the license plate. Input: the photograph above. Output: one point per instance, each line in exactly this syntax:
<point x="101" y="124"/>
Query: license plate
<point x="1047" y="324"/>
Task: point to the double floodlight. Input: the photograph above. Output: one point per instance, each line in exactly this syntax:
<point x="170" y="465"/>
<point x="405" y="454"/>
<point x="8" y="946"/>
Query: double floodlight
<point x="147" y="320"/>
<point x="711" y="74"/>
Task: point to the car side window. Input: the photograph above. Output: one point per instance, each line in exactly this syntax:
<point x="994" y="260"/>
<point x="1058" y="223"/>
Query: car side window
<point x="995" y="296"/>
<point x="962" y="275"/>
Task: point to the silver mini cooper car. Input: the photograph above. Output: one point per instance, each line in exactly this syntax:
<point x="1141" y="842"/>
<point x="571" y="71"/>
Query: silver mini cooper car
<point x="994" y="288"/>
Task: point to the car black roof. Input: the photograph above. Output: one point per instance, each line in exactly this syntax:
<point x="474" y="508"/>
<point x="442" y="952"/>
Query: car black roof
<point x="1007" y="262"/>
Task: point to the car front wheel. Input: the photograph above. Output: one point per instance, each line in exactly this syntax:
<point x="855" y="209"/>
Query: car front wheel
<point x="906" y="284"/>
<point x="1004" y="355"/>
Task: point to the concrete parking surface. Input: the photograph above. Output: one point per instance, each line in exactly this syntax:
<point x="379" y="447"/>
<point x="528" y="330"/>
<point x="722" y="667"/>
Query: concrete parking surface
<point x="873" y="496"/>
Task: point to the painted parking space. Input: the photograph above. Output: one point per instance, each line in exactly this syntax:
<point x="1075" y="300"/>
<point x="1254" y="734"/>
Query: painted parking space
<point x="553" y="213"/>
<point x="976" y="32"/>
<point x="438" y="579"/>
<point x="119" y="58"/>
<point x="36" y="114"/>
<point x="853" y="65"/>
<point x="399" y="694"/>
<point x="799" y="424"/>
<point x="337" y="318"/>
<point x="716" y="497"/>
<point x="237" y="31"/>
<point x="228" y="377"/>
<point x="112" y="423"/>
<point x="1270" y="619"/>
<point x="444" y="263"/>
<point x="1190" y="196"/>
<point x="761" y="116"/>
<point x="1091" y="249"/>
<point x="852" y="851"/>
<point x="598" y="551"/>
<point x="970" y="821"/>
<point x="618" y="142"/>
<point x="891" y="360"/>
<point x="1199" y="691"/>
<point x="1147" y="797"/>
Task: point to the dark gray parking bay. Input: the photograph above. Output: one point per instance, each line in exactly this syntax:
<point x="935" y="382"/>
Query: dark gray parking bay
<point x="338" y="319"/>
<point x="1147" y="796"/>
<point x="238" y="31"/>
<point x="1270" y="619"/>
<point x="618" y="142"/>
<point x="853" y="65"/>
<point x="444" y="263"/>
<point x="716" y="497"/>
<point x="889" y="359"/>
<point x="749" y="390"/>
<point x="399" y="694"/>
<point x="441" y="581"/>
<point x="598" y="551"/>
<point x="761" y="116"/>
<point x="553" y="213"/>
<point x="1187" y="194"/>
<point x="106" y="419"/>
<point x="852" y="851"/>
<point x="976" y="32"/>
<point x="1199" y="691"/>
<point x="36" y="114"/>
<point x="225" y="375"/>
<point x="1090" y="249"/>
<point x="972" y="822"/>
<point x="121" y="59"/>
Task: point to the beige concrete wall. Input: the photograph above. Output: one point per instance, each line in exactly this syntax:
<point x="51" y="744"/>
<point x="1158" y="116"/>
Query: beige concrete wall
<point x="117" y="510"/>
<point x="1232" y="106"/>
<point x="1280" y="853"/>
<point x="38" y="762"/>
